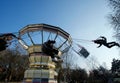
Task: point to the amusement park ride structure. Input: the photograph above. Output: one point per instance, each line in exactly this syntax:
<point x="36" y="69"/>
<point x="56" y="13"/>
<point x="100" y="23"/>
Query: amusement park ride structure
<point x="42" y="68"/>
<point x="45" y="44"/>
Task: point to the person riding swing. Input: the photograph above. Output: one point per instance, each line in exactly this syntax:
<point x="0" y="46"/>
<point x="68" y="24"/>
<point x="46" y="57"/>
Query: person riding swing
<point x="49" y="49"/>
<point x="4" y="39"/>
<point x="103" y="41"/>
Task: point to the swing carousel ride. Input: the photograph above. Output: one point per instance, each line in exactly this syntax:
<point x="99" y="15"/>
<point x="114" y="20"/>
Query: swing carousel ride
<point x="42" y="67"/>
<point x="45" y="45"/>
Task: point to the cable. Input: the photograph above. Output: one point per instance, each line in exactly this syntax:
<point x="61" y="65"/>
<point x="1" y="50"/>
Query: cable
<point x="82" y="40"/>
<point x="79" y="41"/>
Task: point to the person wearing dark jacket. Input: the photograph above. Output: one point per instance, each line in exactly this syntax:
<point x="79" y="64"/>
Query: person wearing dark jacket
<point x="4" y="39"/>
<point x="103" y="41"/>
<point x="49" y="49"/>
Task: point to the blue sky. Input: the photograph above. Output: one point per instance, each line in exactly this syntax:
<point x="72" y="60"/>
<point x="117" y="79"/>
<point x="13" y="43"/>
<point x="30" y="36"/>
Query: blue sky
<point x="83" y="19"/>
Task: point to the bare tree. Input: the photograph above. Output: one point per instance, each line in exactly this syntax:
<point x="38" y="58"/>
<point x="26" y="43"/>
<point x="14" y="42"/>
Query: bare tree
<point x="114" y="16"/>
<point x="14" y="64"/>
<point x="69" y="62"/>
<point x="92" y="63"/>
